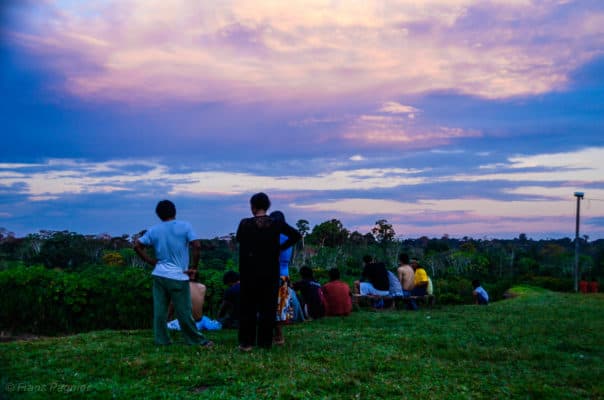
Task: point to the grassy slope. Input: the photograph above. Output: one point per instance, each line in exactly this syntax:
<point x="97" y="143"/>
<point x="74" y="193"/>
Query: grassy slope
<point x="539" y="345"/>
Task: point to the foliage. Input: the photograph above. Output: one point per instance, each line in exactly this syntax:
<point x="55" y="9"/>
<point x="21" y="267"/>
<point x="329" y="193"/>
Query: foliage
<point x="383" y="231"/>
<point x="329" y="233"/>
<point x="502" y="351"/>
<point x="212" y="279"/>
<point x="40" y="300"/>
<point x="113" y="258"/>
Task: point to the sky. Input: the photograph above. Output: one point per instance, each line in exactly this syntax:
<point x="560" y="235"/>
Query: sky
<point x="476" y="118"/>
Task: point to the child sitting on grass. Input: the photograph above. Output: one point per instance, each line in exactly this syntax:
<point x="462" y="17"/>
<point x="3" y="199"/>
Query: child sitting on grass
<point x="480" y="295"/>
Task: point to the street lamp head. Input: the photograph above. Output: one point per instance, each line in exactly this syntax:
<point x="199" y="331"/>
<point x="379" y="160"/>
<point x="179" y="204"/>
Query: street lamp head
<point x="579" y="194"/>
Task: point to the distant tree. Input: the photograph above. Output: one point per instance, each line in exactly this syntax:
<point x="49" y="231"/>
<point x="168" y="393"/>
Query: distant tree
<point x="63" y="249"/>
<point x="329" y="233"/>
<point x="303" y="227"/>
<point x="383" y="231"/>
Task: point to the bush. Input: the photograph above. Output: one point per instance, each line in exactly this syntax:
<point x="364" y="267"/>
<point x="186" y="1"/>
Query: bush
<point x="453" y="290"/>
<point x="40" y="300"/>
<point x="212" y="279"/>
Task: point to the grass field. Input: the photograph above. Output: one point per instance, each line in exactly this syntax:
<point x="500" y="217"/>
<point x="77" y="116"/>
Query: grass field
<point x="540" y="345"/>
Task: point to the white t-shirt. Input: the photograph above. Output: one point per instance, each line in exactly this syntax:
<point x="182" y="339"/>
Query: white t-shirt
<point x="170" y="239"/>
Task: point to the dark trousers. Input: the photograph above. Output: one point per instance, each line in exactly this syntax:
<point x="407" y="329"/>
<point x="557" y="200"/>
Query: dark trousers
<point x="258" y="310"/>
<point x="164" y="290"/>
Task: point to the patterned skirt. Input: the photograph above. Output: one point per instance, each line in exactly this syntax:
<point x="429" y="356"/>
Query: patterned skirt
<point x="285" y="306"/>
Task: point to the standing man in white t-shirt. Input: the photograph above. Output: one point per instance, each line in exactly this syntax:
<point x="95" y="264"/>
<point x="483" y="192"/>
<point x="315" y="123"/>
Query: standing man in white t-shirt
<point x="171" y="240"/>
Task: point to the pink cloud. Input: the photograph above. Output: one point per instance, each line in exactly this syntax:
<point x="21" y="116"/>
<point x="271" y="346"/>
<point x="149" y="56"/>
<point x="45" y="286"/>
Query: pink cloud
<point x="264" y="51"/>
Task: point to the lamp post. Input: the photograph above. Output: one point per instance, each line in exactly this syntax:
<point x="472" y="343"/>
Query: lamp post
<point x="579" y="196"/>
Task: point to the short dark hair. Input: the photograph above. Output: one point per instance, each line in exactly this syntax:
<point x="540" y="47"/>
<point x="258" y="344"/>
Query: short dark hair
<point x="306" y="273"/>
<point x="230" y="277"/>
<point x="278" y="216"/>
<point x="475" y="283"/>
<point x="260" y="201"/>
<point x="165" y="210"/>
<point x="367" y="259"/>
<point x="334" y="274"/>
<point x="403" y="258"/>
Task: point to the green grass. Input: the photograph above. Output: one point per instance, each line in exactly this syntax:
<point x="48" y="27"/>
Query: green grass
<point x="540" y="345"/>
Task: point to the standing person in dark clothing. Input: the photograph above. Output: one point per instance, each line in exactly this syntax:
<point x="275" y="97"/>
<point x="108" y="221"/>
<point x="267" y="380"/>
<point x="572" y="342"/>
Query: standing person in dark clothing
<point x="259" y="250"/>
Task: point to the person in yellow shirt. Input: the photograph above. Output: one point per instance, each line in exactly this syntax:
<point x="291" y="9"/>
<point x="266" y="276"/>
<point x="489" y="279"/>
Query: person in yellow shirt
<point x="421" y="280"/>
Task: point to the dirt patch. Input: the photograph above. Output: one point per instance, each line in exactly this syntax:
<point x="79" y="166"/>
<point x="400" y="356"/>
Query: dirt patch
<point x="9" y="337"/>
<point x="509" y="295"/>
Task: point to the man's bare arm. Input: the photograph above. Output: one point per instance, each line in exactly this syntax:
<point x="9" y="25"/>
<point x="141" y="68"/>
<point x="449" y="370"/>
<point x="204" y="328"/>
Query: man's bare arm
<point x="139" y="248"/>
<point x="195" y="255"/>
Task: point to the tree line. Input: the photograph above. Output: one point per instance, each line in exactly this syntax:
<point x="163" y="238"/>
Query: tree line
<point x="328" y="245"/>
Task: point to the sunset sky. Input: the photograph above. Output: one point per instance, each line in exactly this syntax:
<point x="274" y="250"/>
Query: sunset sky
<point x="460" y="117"/>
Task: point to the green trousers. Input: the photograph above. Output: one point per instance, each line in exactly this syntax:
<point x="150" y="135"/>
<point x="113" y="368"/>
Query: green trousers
<point x="164" y="290"/>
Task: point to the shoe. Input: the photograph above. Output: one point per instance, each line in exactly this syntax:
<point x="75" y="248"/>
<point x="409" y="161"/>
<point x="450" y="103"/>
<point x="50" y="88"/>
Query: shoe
<point x="279" y="342"/>
<point x="208" y="344"/>
<point x="245" y="349"/>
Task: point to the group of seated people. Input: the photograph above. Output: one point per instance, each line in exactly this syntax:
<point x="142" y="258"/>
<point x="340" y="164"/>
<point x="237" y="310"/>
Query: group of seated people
<point x="410" y="281"/>
<point x="308" y="298"/>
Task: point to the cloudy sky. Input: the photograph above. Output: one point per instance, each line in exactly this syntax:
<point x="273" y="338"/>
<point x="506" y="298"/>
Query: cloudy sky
<point x="472" y="118"/>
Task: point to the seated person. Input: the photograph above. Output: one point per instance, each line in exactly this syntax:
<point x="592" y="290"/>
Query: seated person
<point x="583" y="285"/>
<point x="374" y="279"/>
<point x="311" y="297"/>
<point x="198" y="294"/>
<point x="228" y="314"/>
<point x="480" y="295"/>
<point x="594" y="286"/>
<point x="337" y="295"/>
<point x="406" y="275"/>
<point x="395" y="289"/>
<point x="420" y="284"/>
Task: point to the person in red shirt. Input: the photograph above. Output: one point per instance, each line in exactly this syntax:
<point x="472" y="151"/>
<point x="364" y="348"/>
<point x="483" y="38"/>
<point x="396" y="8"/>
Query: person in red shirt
<point x="337" y="295"/>
<point x="583" y="285"/>
<point x="594" y="286"/>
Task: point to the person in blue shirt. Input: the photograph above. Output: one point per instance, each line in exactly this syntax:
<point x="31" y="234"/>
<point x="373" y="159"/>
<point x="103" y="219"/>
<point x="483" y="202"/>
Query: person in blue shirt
<point x="480" y="295"/>
<point x="171" y="240"/>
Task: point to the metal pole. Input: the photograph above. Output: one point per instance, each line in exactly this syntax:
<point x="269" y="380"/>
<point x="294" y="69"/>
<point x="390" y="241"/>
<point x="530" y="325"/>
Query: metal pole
<point x="579" y="196"/>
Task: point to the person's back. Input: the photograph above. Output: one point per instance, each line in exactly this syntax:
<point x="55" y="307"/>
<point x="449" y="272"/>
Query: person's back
<point x="311" y="295"/>
<point x="376" y="274"/>
<point x="337" y="295"/>
<point x="395" y="288"/>
<point x="405" y="273"/>
<point x="258" y="239"/>
<point x="170" y="240"/>
<point x="198" y="294"/>
<point x="480" y="295"/>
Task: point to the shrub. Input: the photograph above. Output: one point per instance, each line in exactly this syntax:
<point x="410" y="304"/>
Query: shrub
<point x="453" y="290"/>
<point x="40" y="300"/>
